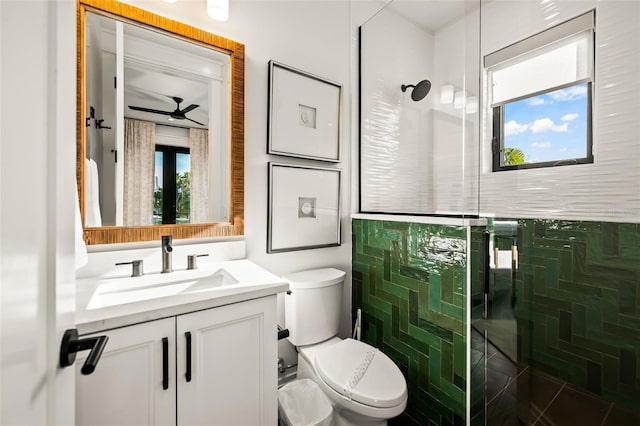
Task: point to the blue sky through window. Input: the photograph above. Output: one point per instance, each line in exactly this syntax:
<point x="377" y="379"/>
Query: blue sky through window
<point x="183" y="165"/>
<point x="548" y="127"/>
<point x="158" y="171"/>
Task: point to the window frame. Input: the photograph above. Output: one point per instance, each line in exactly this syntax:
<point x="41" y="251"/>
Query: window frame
<point x="169" y="192"/>
<point x="497" y="139"/>
<point x="585" y="21"/>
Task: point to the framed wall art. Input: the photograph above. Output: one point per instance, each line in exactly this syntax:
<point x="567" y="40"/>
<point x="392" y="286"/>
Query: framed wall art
<point x="304" y="207"/>
<point x="304" y="114"/>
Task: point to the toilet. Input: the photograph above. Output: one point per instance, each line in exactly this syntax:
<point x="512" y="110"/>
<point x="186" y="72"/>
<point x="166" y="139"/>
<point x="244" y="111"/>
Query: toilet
<point x="364" y="385"/>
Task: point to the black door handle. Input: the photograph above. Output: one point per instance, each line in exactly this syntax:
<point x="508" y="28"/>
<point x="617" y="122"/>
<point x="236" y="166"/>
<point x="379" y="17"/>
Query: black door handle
<point x="165" y="363"/>
<point x="71" y="344"/>
<point x="486" y="237"/>
<point x="486" y="245"/>
<point x="187" y="375"/>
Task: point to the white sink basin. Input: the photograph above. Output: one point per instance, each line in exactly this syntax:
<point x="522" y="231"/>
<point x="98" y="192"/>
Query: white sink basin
<point x="218" y="279"/>
<point x="122" y="290"/>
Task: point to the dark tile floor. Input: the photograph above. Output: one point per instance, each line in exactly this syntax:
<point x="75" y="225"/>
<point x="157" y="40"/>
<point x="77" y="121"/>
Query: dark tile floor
<point x="403" y="420"/>
<point x="518" y="394"/>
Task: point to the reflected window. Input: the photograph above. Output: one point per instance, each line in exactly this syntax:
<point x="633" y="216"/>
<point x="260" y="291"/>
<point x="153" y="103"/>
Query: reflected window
<point x="172" y="185"/>
<point x="541" y="94"/>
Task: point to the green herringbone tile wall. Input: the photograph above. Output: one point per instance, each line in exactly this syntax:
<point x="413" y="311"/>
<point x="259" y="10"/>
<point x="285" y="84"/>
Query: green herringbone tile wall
<point x="577" y="304"/>
<point x="410" y="282"/>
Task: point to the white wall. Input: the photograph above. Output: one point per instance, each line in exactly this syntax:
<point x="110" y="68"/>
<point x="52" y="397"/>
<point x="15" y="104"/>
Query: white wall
<point x="608" y="189"/>
<point x="106" y="163"/>
<point x="309" y="35"/>
<point x="605" y="190"/>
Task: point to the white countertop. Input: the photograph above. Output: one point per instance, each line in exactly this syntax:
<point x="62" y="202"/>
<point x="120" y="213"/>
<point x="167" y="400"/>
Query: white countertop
<point x="116" y="299"/>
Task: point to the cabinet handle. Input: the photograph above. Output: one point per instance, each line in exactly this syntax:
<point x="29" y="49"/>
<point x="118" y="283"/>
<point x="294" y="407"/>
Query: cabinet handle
<point x="165" y="363"/>
<point x="187" y="375"/>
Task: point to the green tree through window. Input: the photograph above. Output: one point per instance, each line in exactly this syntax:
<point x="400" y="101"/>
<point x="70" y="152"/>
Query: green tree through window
<point x="513" y="156"/>
<point x="183" y="197"/>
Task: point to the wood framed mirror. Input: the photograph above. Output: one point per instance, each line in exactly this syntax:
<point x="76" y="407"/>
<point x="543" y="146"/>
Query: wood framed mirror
<point x="160" y="127"/>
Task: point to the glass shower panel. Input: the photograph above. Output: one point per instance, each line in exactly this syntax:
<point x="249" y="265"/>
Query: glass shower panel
<point x="556" y="287"/>
<point x="419" y="98"/>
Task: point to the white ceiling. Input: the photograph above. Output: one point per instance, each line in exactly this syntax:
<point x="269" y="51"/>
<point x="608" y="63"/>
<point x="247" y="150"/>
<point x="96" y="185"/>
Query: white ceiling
<point x="158" y="67"/>
<point x="430" y="15"/>
<point x="155" y="89"/>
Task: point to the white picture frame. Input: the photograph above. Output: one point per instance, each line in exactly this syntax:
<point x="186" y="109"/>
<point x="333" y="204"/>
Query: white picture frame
<point x="304" y="114"/>
<point x="304" y="207"/>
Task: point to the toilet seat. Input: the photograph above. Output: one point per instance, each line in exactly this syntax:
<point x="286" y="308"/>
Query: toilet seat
<point x="361" y="373"/>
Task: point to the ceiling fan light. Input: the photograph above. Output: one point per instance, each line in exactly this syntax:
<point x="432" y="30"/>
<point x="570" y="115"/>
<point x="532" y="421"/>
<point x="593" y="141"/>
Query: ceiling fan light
<point x="218" y="9"/>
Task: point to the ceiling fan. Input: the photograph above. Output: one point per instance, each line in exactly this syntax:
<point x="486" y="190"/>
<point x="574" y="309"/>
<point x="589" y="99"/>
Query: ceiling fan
<point x="178" y="114"/>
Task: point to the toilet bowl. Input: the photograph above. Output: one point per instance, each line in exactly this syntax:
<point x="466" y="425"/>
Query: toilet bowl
<point x="364" y="385"/>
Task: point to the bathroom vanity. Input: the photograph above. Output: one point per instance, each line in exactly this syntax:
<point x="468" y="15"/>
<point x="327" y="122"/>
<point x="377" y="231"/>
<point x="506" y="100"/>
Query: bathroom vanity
<point x="187" y="347"/>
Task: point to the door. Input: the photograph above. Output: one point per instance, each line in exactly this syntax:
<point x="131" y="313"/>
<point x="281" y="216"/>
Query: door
<point x="134" y="381"/>
<point x="502" y="383"/>
<point x="227" y="365"/>
<point x="37" y="178"/>
<point x="493" y="332"/>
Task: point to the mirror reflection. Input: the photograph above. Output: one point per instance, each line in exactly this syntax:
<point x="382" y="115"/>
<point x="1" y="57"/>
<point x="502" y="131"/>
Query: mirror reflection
<point x="157" y="127"/>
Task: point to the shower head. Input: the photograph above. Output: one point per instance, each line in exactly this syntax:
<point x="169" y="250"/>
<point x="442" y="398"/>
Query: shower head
<point x="420" y="90"/>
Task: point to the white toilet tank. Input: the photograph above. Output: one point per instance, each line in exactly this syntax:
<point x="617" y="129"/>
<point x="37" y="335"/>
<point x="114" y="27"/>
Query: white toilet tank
<point x="312" y="310"/>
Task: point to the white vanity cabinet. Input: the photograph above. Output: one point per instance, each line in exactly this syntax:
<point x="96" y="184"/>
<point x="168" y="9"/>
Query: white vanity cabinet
<point x="233" y="369"/>
<point x="222" y="370"/>
<point x="126" y="387"/>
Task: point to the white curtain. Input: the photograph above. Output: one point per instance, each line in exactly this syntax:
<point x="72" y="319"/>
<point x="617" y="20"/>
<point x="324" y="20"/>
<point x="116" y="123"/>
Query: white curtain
<point x="139" y="153"/>
<point x="199" y="153"/>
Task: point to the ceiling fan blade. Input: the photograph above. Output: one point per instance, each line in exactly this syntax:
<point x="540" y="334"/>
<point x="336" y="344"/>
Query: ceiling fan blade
<point x="197" y="122"/>
<point x="189" y="108"/>
<point x="155" y="111"/>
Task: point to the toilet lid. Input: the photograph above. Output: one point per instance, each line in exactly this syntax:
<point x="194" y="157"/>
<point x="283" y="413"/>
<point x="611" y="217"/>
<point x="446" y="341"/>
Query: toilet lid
<point x="362" y="373"/>
<point x="315" y="278"/>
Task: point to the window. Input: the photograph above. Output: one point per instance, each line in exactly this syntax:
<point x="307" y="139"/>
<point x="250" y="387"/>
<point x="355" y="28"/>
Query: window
<point x="172" y="186"/>
<point x="541" y="92"/>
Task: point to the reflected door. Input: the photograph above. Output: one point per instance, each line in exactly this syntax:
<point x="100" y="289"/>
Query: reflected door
<point x="172" y="185"/>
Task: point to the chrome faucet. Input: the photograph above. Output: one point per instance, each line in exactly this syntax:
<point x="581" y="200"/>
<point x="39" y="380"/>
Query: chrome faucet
<point x="166" y="254"/>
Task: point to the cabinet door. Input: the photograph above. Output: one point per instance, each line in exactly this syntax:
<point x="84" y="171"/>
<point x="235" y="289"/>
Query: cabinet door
<point x="233" y="365"/>
<point x="126" y="387"/>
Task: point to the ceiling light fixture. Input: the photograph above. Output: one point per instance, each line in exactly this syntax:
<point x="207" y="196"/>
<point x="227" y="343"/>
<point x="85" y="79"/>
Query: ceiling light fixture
<point x="446" y="94"/>
<point x="472" y="105"/>
<point x="170" y="1"/>
<point x="218" y="9"/>
<point x="459" y="99"/>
